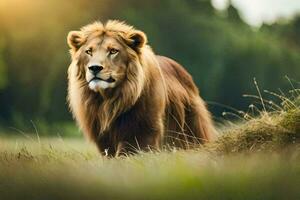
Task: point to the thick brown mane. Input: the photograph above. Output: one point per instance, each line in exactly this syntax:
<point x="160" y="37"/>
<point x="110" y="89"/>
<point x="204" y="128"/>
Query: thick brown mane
<point x="157" y="97"/>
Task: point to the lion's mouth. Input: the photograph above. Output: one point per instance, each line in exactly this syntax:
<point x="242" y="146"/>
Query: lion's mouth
<point x="97" y="83"/>
<point x="109" y="80"/>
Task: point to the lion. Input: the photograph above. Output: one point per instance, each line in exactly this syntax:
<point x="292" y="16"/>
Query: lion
<point x="127" y="99"/>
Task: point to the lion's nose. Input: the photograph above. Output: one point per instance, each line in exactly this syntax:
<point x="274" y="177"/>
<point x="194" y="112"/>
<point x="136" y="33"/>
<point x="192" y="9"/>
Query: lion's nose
<point x="95" y="69"/>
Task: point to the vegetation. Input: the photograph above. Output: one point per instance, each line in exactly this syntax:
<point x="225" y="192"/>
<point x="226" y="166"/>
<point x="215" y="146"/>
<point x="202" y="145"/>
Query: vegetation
<point x="65" y="169"/>
<point x="270" y="132"/>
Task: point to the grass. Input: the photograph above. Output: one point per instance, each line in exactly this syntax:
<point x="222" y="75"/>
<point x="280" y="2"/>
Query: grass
<point x="54" y="169"/>
<point x="256" y="159"/>
<point x="269" y="132"/>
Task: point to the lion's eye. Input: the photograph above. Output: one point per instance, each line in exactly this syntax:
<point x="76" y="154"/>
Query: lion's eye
<point x="113" y="51"/>
<point x="89" y="51"/>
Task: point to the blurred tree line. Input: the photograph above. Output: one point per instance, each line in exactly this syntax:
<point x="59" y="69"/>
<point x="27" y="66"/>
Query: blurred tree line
<point x="221" y="52"/>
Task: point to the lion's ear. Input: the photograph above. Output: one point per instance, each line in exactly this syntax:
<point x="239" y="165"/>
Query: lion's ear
<point x="75" y="40"/>
<point x="136" y="40"/>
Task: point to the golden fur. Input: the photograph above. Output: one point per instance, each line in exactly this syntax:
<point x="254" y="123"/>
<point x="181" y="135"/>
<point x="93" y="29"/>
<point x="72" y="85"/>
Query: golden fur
<point x="152" y="101"/>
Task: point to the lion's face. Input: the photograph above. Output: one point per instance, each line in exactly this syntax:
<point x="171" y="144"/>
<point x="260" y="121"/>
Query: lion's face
<point x="103" y="55"/>
<point x="104" y="61"/>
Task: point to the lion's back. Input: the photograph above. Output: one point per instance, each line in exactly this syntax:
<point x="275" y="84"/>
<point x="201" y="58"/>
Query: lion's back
<point x="187" y="118"/>
<point x="176" y="77"/>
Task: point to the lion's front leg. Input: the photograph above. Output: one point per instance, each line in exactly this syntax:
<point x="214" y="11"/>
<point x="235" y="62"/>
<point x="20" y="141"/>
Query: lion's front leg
<point x="126" y="148"/>
<point x="145" y="143"/>
<point x="147" y="139"/>
<point x="106" y="147"/>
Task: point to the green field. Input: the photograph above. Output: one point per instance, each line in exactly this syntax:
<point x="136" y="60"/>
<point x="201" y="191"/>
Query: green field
<point x="65" y="169"/>
<point x="259" y="159"/>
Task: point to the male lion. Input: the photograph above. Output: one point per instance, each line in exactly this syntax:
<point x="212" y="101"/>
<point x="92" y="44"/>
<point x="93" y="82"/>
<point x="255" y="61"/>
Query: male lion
<point x="126" y="98"/>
